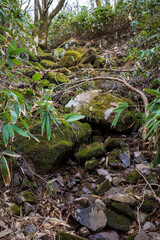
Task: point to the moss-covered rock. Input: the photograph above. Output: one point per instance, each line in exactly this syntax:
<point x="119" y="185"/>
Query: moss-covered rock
<point x="46" y="56"/>
<point x="59" y="52"/>
<point x="148" y="206"/>
<point x="26" y="196"/>
<point x="90" y="165"/>
<point x="49" y="64"/>
<point x="37" y="66"/>
<point x="67" y="236"/>
<point x="99" y="62"/>
<point x="88" y="57"/>
<point x="64" y="71"/>
<point x="15" y="209"/>
<point x="48" y="154"/>
<point x="43" y="84"/>
<point x="95" y="149"/>
<point x="70" y="59"/>
<point x="117" y="221"/>
<point x="123" y="209"/>
<point x="132" y="177"/>
<point x="112" y="143"/>
<point x="55" y="77"/>
<point x="98" y="107"/>
<point x="27" y="184"/>
<point x="104" y="187"/>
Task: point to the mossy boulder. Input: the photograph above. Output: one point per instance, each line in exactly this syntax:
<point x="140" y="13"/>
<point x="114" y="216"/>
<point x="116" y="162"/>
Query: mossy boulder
<point x="49" y="64"/>
<point x="104" y="187"/>
<point x="132" y="177"/>
<point x="88" y="57"/>
<point x="123" y="209"/>
<point x="55" y="77"/>
<point x="112" y="143"/>
<point x="46" y="56"/>
<point x="26" y="196"/>
<point x="95" y="149"/>
<point x="59" y="52"/>
<point x="70" y="59"/>
<point x="67" y="236"/>
<point x="117" y="221"/>
<point x="98" y="107"/>
<point x="37" y="66"/>
<point x="43" y="84"/>
<point x="16" y="210"/>
<point x="64" y="71"/>
<point x="91" y="164"/>
<point x="47" y="155"/>
<point x="148" y="206"/>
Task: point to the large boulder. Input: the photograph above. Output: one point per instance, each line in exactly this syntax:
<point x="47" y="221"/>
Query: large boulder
<point x="98" y="107"/>
<point x="70" y="58"/>
<point x="48" y="154"/>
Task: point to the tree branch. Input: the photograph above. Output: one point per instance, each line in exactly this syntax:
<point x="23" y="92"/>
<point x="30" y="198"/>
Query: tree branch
<point x="56" y="10"/>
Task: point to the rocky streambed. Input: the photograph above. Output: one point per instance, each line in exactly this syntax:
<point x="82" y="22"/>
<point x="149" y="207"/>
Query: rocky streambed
<point x="90" y="181"/>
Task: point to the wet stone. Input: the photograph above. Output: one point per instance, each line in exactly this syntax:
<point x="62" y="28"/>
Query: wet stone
<point x="117" y="221"/>
<point x="109" y="235"/>
<point x="125" y="158"/>
<point x="92" y="217"/>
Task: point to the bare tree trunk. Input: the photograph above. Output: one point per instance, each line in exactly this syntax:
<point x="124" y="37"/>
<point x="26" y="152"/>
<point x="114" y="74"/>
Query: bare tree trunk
<point x="43" y="19"/>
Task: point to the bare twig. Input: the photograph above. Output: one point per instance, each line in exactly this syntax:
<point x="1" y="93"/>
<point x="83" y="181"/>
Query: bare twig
<point x="149" y="185"/>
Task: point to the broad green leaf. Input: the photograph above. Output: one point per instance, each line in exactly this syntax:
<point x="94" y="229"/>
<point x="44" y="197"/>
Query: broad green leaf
<point x="43" y="122"/>
<point x="114" y="123"/>
<point x="12" y="46"/>
<point x="36" y="77"/>
<point x="2" y="38"/>
<point x="16" y="61"/>
<point x="17" y="51"/>
<point x="20" y="131"/>
<point x="11" y="131"/>
<point x="5" y="134"/>
<point x="10" y="62"/>
<point x="5" y="171"/>
<point x="7" y="30"/>
<point x="71" y="117"/>
<point x="11" y="154"/>
<point x="48" y="126"/>
<point x="16" y="108"/>
<point x="32" y="136"/>
<point x="13" y="115"/>
<point x="24" y="123"/>
<point x="154" y="92"/>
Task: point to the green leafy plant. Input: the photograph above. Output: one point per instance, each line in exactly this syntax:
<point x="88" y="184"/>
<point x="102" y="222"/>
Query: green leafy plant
<point x="121" y="107"/>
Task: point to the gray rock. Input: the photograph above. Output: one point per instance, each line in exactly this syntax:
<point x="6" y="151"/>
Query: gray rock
<point x="92" y="217"/>
<point x="28" y="208"/>
<point x="116" y="181"/>
<point x="31" y="228"/>
<point x="82" y="201"/>
<point x="154" y="235"/>
<point x="109" y="235"/>
<point x="125" y="158"/>
<point x="102" y="172"/>
<point x="117" y="221"/>
<point x="123" y="209"/>
<point x="84" y="231"/>
<point x="104" y="187"/>
<point x="137" y="154"/>
<point x="123" y="198"/>
<point x="143" y="168"/>
<point x="69" y="198"/>
<point x="148" y="226"/>
<point x="141" y="236"/>
<point x="142" y="217"/>
<point x="17" y="179"/>
<point x="26" y="196"/>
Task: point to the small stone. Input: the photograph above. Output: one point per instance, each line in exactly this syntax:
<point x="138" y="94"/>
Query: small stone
<point x="31" y="228"/>
<point x="123" y="209"/>
<point x="102" y="172"/>
<point x="147" y="206"/>
<point x="125" y="158"/>
<point x="128" y="189"/>
<point x="17" y="179"/>
<point x="124" y="198"/>
<point x="140" y="160"/>
<point x="132" y="177"/>
<point x="104" y="187"/>
<point x="15" y="209"/>
<point x="116" y="181"/>
<point x="149" y="226"/>
<point x="141" y="236"/>
<point x="86" y="190"/>
<point x="117" y="221"/>
<point x="143" y="168"/>
<point x="26" y="196"/>
<point x="109" y="235"/>
<point x="28" y="208"/>
<point x="69" y="198"/>
<point x="137" y="154"/>
<point x="92" y="217"/>
<point x="84" y="231"/>
<point x="90" y="165"/>
<point x="142" y="217"/>
<point x="83" y="201"/>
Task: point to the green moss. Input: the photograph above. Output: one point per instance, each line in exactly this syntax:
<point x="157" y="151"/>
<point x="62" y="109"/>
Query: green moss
<point x="43" y="84"/>
<point x="117" y="221"/>
<point x="132" y="177"/>
<point x="90" y="165"/>
<point x="114" y="157"/>
<point x="49" y="64"/>
<point x="48" y="154"/>
<point x="46" y="56"/>
<point x="27" y="184"/>
<point x="68" y="236"/>
<point x="55" y="77"/>
<point x="70" y="59"/>
<point x="28" y="196"/>
<point x="99" y="62"/>
<point x="104" y="187"/>
<point x="88" y="57"/>
<point x="16" y="210"/>
<point x="95" y="149"/>
<point x="148" y="206"/>
<point x="38" y="66"/>
<point x="112" y="143"/>
<point x="64" y="71"/>
<point x="59" y="52"/>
